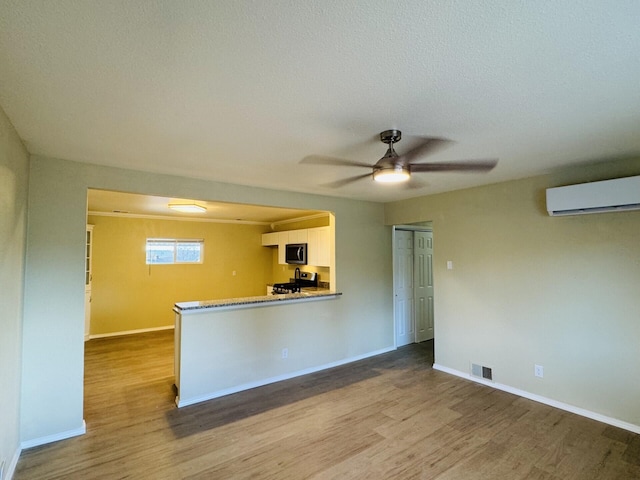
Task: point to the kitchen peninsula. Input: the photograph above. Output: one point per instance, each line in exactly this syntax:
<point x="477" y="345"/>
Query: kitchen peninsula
<point x="229" y="345"/>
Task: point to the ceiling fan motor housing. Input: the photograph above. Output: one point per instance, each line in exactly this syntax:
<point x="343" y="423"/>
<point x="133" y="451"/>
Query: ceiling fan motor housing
<point x="390" y="136"/>
<point x="389" y="169"/>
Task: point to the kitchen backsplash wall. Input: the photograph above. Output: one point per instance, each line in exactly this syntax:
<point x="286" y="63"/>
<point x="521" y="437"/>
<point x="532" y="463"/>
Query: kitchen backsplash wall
<point x="284" y="273"/>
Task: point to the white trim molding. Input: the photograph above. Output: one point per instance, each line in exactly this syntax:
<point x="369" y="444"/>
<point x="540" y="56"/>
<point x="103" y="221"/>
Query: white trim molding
<point x="55" y="437"/>
<point x="540" y="399"/>
<point x="132" y="332"/>
<point x="11" y="468"/>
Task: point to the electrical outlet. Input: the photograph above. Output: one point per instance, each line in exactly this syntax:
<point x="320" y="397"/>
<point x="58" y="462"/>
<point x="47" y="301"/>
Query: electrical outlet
<point x="285" y="353"/>
<point x="538" y="371"/>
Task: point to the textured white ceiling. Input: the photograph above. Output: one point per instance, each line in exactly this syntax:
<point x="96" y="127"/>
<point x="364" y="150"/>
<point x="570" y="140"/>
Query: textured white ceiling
<point x="242" y="91"/>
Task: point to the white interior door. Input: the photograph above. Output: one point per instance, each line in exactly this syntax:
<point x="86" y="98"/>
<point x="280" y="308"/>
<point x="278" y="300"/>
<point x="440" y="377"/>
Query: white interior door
<point x="403" y="288"/>
<point x="423" y="281"/>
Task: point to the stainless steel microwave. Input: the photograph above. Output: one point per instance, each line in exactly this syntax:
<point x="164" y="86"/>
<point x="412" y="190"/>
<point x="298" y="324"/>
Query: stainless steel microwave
<point x="296" y="253"/>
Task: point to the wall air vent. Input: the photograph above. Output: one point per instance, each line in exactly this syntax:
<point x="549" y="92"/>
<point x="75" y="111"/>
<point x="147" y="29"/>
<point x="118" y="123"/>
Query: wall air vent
<point x="482" y="372"/>
<point x="617" y="195"/>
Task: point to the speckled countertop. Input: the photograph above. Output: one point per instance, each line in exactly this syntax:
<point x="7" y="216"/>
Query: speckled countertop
<point x="308" y="294"/>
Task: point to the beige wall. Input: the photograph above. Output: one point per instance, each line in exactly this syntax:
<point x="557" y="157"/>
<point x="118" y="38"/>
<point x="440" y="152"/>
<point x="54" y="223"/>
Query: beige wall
<point x="360" y="322"/>
<point x="14" y="169"/>
<point x="526" y="289"/>
<point x="128" y="294"/>
<point x="212" y="366"/>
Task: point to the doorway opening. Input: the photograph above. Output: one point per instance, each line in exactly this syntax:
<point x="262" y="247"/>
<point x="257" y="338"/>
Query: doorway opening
<point x="413" y="287"/>
<point x="129" y="300"/>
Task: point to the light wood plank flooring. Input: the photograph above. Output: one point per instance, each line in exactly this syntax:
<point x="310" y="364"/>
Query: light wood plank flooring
<point x="391" y="416"/>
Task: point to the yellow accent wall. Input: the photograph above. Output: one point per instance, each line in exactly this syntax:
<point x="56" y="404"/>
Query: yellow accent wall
<point x="128" y="294"/>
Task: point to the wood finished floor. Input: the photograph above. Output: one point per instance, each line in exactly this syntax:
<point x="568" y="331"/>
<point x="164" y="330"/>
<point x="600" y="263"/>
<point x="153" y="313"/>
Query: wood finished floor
<point x="391" y="416"/>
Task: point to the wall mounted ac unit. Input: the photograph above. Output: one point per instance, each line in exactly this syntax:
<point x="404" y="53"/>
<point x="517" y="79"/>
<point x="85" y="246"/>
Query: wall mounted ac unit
<point x="615" y="195"/>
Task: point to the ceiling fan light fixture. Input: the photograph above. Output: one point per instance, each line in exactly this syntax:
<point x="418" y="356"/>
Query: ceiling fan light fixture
<point x="187" y="207"/>
<point x="393" y="168"/>
<point x="395" y="174"/>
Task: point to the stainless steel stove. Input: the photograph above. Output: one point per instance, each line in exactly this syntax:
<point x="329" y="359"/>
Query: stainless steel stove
<point x="301" y="280"/>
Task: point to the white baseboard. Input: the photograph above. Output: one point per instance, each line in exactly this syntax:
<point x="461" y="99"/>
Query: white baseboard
<point x="55" y="437"/>
<point x="131" y="332"/>
<point x="540" y="399"/>
<point x="11" y="468"/>
<point x="259" y="383"/>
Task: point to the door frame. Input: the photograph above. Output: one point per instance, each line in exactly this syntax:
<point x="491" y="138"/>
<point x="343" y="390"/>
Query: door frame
<point x="412" y="228"/>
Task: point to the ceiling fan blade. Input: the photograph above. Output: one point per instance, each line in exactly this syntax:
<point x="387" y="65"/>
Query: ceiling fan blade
<point x="322" y="160"/>
<point x="460" y="166"/>
<point x="346" y="181"/>
<point x="430" y="145"/>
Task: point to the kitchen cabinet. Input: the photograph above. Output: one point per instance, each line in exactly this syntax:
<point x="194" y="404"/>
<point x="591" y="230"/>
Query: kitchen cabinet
<point x="277" y="239"/>
<point x="270" y="239"/>
<point x="283" y="239"/>
<point x="298" y="236"/>
<point x="318" y="242"/>
<point x="319" y="247"/>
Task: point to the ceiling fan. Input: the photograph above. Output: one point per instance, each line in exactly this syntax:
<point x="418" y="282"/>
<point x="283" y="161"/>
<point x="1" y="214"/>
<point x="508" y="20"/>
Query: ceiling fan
<point x="394" y="168"/>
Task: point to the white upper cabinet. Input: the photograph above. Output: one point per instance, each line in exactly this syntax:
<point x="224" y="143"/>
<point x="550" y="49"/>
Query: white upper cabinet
<point x="319" y="247"/>
<point x="277" y="239"/>
<point x="283" y="239"/>
<point x="318" y="242"/>
<point x="298" y="236"/>
<point x="270" y="239"/>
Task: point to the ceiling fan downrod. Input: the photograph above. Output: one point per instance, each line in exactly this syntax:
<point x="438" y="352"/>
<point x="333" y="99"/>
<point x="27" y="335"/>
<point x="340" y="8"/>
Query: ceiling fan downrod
<point x="388" y="170"/>
<point x="390" y="137"/>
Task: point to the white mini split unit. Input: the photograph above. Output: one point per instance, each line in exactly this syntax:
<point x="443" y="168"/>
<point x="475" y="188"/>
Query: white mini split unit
<point x="617" y="195"/>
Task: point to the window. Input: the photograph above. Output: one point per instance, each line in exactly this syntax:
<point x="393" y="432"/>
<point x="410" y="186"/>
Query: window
<point x="165" y="251"/>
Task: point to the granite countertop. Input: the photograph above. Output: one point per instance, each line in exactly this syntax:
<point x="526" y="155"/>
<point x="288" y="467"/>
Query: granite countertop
<point x="306" y="294"/>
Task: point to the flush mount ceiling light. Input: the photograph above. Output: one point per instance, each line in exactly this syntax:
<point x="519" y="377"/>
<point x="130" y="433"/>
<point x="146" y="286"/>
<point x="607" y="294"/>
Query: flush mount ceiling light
<point x="187" y="207"/>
